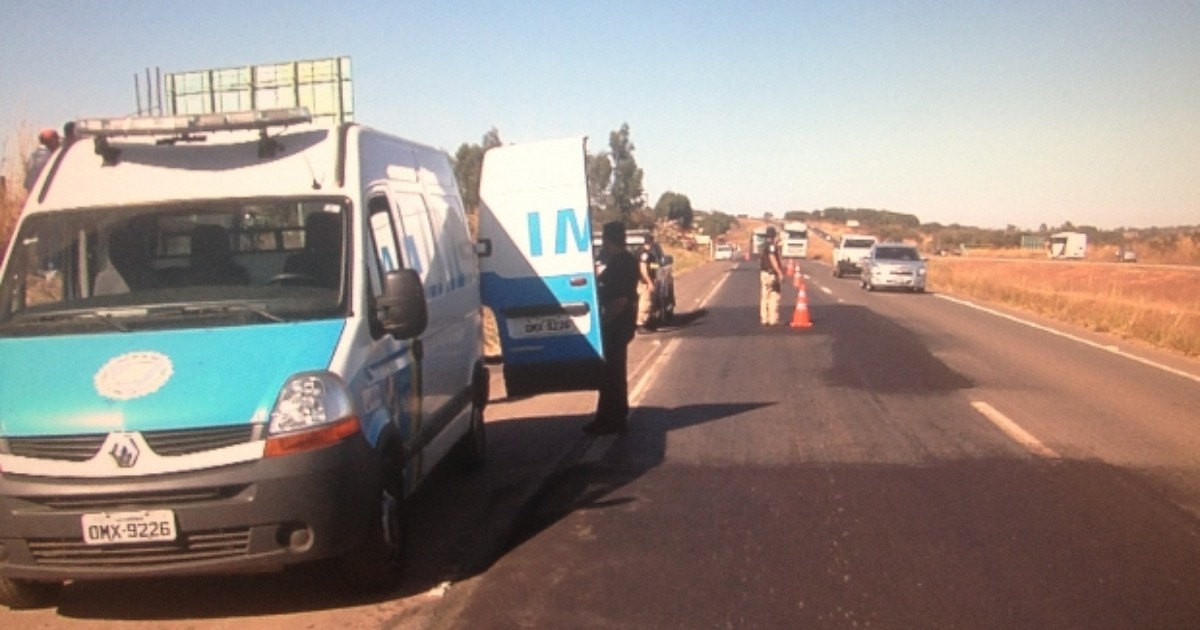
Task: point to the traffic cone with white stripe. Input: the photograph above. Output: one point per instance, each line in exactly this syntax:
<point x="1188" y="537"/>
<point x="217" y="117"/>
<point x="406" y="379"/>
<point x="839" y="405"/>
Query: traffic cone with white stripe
<point x="800" y="314"/>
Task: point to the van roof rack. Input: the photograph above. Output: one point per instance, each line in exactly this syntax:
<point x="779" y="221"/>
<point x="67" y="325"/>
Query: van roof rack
<point x="187" y="124"/>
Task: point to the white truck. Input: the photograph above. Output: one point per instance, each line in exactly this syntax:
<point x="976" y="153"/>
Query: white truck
<point x="850" y="252"/>
<point x="795" y="240"/>
<point x="1068" y="245"/>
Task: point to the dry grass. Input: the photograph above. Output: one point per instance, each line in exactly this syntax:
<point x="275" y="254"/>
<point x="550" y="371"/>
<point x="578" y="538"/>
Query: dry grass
<point x="1155" y="305"/>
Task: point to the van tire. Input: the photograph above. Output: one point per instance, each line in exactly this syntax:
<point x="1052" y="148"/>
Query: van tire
<point x="377" y="564"/>
<point x="24" y="594"/>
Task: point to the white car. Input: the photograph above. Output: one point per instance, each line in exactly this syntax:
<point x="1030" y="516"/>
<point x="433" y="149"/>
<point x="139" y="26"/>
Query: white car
<point x="724" y="252"/>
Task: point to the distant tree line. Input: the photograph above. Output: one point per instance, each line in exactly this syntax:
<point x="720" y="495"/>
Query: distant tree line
<point x="908" y="227"/>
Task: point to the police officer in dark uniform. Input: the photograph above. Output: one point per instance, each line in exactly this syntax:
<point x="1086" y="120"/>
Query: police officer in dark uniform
<point x="618" y="293"/>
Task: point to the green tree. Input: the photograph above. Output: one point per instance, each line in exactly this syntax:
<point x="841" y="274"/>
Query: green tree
<point x="468" y="167"/>
<point x="626" y="192"/>
<point x="714" y="223"/>
<point x="674" y="207"/>
<point x="599" y="177"/>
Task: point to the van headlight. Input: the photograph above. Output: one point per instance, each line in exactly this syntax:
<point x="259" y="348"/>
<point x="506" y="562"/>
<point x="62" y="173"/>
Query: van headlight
<point x="313" y="410"/>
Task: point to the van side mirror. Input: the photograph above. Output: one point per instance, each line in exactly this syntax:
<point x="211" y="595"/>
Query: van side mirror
<point x="402" y="309"/>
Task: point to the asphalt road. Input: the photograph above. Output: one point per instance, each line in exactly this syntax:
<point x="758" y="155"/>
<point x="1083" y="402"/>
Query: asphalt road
<point x="909" y="461"/>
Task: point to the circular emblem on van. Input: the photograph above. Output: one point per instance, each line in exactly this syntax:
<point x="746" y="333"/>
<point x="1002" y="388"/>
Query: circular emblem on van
<point x="133" y="375"/>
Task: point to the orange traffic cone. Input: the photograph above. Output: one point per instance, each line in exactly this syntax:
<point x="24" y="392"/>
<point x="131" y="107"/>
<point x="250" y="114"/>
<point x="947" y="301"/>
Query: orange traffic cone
<point x="800" y="315"/>
<point x="798" y="279"/>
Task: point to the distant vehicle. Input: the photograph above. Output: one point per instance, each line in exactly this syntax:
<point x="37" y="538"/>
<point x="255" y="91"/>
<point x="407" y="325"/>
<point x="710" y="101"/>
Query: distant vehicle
<point x="664" y="278"/>
<point x="1068" y="245"/>
<point x="756" y="240"/>
<point x="850" y="252"/>
<point x="1124" y="254"/>
<point x="795" y="240"/>
<point x="724" y="252"/>
<point x="893" y="265"/>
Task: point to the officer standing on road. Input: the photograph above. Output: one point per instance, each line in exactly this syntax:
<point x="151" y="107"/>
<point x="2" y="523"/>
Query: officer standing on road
<point x="770" y="274"/>
<point x="618" y="293"/>
<point x="647" y="272"/>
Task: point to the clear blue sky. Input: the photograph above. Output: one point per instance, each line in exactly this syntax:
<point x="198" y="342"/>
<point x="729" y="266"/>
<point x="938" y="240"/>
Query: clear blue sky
<point x="982" y="113"/>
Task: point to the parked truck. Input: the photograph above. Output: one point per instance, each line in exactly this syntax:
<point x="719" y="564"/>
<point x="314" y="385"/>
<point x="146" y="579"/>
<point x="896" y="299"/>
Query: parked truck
<point x="1067" y="245"/>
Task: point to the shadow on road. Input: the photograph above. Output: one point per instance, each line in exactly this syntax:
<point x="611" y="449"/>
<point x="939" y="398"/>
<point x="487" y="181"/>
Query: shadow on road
<point x="582" y="485"/>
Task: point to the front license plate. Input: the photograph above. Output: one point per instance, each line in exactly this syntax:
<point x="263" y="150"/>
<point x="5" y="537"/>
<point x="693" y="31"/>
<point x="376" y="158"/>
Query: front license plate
<point x="114" y="528"/>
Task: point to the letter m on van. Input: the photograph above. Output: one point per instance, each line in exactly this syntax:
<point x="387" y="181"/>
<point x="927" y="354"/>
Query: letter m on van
<point x="538" y="274"/>
<point x="567" y="225"/>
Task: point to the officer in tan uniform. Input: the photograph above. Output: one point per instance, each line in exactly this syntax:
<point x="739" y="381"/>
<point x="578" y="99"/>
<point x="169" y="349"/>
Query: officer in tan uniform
<point x="647" y="273"/>
<point x="771" y="274"/>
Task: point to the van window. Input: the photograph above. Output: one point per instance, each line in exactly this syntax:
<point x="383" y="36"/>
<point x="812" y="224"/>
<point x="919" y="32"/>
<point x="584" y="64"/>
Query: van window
<point x="417" y="241"/>
<point x="171" y="265"/>
<point x="383" y="235"/>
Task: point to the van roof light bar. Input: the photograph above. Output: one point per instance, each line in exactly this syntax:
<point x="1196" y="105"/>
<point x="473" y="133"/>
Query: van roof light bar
<point x="191" y="123"/>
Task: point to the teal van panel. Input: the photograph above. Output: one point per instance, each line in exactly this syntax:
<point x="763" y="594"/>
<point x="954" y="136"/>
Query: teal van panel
<point x="146" y="381"/>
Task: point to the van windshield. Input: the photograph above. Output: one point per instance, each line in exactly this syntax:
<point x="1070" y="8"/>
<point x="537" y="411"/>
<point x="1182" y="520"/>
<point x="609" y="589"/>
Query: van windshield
<point x="168" y="266"/>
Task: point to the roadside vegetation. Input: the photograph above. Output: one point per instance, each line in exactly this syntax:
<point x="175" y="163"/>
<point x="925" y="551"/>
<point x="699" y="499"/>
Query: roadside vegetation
<point x="1148" y="303"/>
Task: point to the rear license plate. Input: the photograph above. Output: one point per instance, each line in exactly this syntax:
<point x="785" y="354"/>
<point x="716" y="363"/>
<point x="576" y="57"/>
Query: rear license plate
<point x="114" y="528"/>
<point x="548" y="325"/>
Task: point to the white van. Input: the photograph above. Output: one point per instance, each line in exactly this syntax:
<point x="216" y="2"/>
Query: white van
<point x="231" y="342"/>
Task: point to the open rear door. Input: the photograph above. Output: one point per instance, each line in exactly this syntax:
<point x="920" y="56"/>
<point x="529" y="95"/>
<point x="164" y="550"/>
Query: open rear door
<point x="539" y="276"/>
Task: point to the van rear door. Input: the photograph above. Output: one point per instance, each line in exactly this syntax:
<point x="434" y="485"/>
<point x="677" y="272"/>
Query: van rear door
<point x="538" y="274"/>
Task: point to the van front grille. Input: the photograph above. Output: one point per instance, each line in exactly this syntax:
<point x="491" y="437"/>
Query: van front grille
<point x="74" y="448"/>
<point x="80" y="448"/>
<point x="140" y="500"/>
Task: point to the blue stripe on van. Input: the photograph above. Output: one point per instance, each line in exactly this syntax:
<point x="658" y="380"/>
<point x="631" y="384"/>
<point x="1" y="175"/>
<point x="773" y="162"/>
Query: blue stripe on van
<point x="217" y="376"/>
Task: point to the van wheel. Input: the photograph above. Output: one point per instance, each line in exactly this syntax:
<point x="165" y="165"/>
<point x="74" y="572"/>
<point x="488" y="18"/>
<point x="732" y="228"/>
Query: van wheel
<point x="378" y="563"/>
<point x="20" y="594"/>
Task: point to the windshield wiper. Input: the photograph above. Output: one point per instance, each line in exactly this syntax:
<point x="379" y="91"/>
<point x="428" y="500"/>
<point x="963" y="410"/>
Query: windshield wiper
<point x="108" y="316"/>
<point x="235" y="307"/>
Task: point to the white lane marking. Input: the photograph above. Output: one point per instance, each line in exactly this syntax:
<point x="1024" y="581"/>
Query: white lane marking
<point x="1106" y="348"/>
<point x="713" y="291"/>
<point x="596" y="449"/>
<point x="1014" y="431"/>
<point x="649" y="355"/>
<point x="827" y="290"/>
<point x="647" y="378"/>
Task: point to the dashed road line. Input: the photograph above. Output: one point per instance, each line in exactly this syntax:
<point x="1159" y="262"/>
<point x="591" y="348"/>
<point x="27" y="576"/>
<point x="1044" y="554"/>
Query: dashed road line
<point x="1014" y="431"/>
